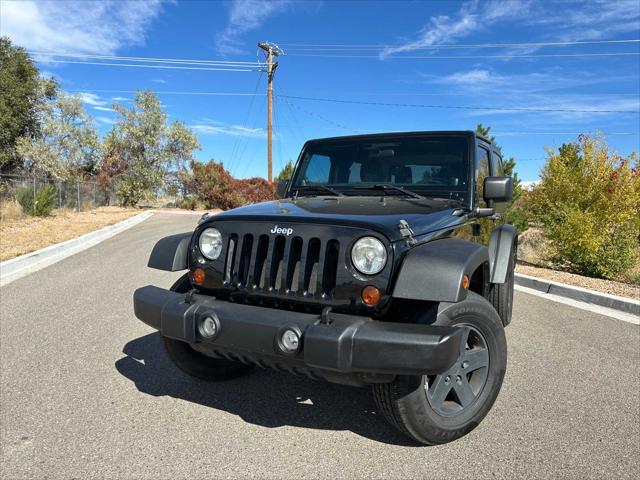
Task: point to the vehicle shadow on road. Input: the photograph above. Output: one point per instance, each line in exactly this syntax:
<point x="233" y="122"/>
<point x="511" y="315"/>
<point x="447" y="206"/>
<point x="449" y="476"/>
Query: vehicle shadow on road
<point x="265" y="397"/>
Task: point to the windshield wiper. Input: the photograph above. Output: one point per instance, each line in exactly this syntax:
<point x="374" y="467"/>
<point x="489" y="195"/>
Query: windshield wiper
<point x="388" y="186"/>
<point x="307" y="188"/>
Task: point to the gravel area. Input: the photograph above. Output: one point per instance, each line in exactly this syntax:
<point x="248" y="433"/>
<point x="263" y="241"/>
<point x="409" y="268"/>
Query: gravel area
<point x="597" y="284"/>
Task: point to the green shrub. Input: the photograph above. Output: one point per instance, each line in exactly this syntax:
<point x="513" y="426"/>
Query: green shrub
<point x="518" y="218"/>
<point x="588" y="206"/>
<point x="25" y="199"/>
<point x="45" y="201"/>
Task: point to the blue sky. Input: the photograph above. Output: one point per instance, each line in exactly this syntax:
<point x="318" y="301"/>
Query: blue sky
<point x="391" y="52"/>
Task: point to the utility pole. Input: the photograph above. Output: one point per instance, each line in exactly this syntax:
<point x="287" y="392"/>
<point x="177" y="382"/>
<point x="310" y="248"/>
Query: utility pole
<point x="272" y="50"/>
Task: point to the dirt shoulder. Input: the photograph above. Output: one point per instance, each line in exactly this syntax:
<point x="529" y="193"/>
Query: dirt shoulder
<point x="599" y="285"/>
<point x="27" y="234"/>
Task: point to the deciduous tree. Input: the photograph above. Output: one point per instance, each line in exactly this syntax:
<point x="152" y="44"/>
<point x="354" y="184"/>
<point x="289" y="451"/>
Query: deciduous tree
<point x="22" y="94"/>
<point x="68" y="146"/>
<point x="143" y="148"/>
<point x="588" y="205"/>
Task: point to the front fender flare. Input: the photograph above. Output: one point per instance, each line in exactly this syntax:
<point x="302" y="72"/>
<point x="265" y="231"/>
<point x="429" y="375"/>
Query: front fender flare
<point x="171" y="253"/>
<point x="433" y="271"/>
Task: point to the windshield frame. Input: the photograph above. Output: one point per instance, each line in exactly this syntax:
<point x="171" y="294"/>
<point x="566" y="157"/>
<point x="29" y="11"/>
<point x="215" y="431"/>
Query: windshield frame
<point x="426" y="191"/>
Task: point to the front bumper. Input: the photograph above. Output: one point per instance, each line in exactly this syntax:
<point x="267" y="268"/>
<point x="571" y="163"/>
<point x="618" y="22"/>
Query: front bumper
<point x="336" y="347"/>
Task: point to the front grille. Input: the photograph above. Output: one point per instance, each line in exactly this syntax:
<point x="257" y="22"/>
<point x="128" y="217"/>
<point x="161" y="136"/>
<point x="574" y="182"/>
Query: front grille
<point x="284" y="265"/>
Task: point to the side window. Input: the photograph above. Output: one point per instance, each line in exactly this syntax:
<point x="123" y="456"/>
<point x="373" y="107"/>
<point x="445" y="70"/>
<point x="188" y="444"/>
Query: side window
<point x="496" y="165"/>
<point x="354" y="173"/>
<point x="482" y="171"/>
<point x="318" y="170"/>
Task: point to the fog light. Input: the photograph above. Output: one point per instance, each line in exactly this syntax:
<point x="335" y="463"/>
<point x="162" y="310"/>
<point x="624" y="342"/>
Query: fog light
<point x="209" y="327"/>
<point x="290" y="341"/>
<point x="370" y="295"/>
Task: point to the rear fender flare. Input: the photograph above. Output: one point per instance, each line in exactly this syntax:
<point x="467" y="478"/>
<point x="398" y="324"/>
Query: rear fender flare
<point x="434" y="271"/>
<point x="501" y="244"/>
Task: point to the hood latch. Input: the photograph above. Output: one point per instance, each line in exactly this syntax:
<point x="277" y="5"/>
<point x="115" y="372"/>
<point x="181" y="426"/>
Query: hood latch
<point x="406" y="231"/>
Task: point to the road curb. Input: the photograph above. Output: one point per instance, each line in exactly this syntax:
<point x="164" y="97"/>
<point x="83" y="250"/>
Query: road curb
<point x="18" y="267"/>
<point x="615" y="302"/>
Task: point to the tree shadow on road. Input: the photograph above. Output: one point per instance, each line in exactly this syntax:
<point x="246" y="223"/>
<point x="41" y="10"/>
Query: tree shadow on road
<point x="265" y="397"/>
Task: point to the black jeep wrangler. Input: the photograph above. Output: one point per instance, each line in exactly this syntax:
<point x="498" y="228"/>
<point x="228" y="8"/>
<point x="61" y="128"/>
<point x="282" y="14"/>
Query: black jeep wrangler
<point x="383" y="263"/>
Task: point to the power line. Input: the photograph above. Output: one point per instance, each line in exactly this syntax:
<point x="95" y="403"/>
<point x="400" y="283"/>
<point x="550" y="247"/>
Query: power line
<point x="216" y="94"/>
<point x="454" y="57"/>
<point x="236" y="144"/>
<point x="468" y="45"/>
<point x="149" y="59"/>
<point x="372" y="94"/>
<point x="314" y="114"/>
<point x="456" y="107"/>
<point x="172" y="67"/>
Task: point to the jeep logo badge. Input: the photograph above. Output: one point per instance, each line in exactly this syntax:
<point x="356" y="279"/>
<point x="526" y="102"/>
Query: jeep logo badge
<point x="281" y="230"/>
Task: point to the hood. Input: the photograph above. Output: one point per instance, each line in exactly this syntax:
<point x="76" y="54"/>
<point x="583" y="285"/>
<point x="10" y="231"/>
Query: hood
<point x="381" y="214"/>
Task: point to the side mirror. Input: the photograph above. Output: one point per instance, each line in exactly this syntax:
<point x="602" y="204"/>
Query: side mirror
<point x="497" y="189"/>
<point x="281" y="188"/>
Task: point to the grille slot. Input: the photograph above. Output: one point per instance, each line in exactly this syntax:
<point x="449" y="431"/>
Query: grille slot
<point x="293" y="265"/>
<point x="311" y="266"/>
<point x="245" y="259"/>
<point x="228" y="267"/>
<point x="276" y="262"/>
<point x="259" y="273"/>
<point x="330" y="267"/>
<point x="281" y="266"/>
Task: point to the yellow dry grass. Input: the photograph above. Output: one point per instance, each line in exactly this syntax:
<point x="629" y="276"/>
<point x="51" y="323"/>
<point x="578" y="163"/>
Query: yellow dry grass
<point x="27" y="234"/>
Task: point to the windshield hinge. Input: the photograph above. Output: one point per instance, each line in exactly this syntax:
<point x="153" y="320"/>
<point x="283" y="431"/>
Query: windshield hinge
<point x="406" y="231"/>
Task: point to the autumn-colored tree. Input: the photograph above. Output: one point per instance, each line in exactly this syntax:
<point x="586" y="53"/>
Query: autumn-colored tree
<point x="214" y="187"/>
<point x="588" y="206"/>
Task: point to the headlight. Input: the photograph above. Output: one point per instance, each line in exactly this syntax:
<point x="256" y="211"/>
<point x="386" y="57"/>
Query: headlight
<point x="369" y="255"/>
<point x="210" y="243"/>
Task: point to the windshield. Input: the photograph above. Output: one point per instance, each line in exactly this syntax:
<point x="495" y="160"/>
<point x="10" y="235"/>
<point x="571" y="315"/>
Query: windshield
<point x="428" y="165"/>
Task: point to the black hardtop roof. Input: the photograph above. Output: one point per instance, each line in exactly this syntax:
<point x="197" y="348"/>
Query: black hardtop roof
<point x="373" y="136"/>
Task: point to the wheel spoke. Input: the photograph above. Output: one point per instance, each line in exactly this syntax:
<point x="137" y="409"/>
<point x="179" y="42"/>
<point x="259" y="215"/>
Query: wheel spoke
<point x="464" y="338"/>
<point x="463" y="391"/>
<point x="475" y="359"/>
<point x="439" y="390"/>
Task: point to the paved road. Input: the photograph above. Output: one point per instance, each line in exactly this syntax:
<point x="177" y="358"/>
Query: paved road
<point x="86" y="392"/>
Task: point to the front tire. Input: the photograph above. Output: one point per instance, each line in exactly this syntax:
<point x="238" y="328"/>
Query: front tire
<point x="436" y="409"/>
<point x="197" y="364"/>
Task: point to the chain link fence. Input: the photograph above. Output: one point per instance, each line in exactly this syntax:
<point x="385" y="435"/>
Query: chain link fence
<point x="72" y="195"/>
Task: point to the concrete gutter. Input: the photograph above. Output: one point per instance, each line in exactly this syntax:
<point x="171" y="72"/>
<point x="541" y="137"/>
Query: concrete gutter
<point x="614" y="302"/>
<point x="18" y="267"/>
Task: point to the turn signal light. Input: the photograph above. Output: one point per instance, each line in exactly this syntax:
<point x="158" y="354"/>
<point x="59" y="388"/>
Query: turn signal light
<point x="370" y="295"/>
<point x="465" y="282"/>
<point x="198" y="276"/>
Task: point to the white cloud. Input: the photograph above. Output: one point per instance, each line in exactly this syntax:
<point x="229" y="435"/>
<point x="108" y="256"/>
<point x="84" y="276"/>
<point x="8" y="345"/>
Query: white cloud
<point x="119" y="99"/>
<point x="472" y="17"/>
<point x="219" y="128"/>
<point x="104" y="109"/>
<point x="105" y="120"/>
<point x="158" y="80"/>
<point x="591" y="20"/>
<point x="554" y="21"/>
<point x="91" y="99"/>
<point x="529" y="184"/>
<point x="77" y="26"/>
<point x="244" y="16"/>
